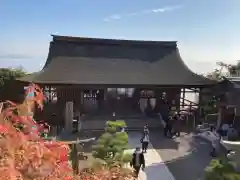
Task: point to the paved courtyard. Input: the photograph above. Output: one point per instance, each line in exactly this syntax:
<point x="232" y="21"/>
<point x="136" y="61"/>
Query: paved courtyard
<point x="155" y="167"/>
<point x="186" y="157"/>
<point x="183" y="158"/>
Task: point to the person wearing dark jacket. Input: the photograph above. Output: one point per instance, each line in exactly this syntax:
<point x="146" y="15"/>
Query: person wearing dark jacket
<point x="138" y="161"/>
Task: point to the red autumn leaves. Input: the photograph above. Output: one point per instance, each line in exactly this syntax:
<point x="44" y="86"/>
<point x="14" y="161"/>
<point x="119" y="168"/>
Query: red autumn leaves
<point x="24" y="155"/>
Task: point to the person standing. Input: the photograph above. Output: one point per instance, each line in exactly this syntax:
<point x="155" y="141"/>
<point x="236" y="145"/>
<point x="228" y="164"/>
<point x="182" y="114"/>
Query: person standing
<point x="138" y="161"/>
<point x="145" y="129"/>
<point x="168" y="128"/>
<point x="145" y="141"/>
<point x="224" y="130"/>
<point x="177" y="124"/>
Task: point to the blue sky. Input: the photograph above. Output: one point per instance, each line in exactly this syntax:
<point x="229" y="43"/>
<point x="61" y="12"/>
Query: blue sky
<point x="207" y="31"/>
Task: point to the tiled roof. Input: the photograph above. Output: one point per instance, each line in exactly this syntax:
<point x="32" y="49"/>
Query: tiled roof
<point x="86" y="61"/>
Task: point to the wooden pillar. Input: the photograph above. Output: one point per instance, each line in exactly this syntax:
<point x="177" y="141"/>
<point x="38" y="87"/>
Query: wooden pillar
<point x="105" y="94"/>
<point x="158" y="95"/>
<point x="177" y="98"/>
<point x="221" y="110"/>
<point x="183" y="97"/>
<point x="220" y="117"/>
<point x="82" y="97"/>
<point x="50" y="94"/>
<point x="200" y="101"/>
<point x="198" y="114"/>
<point x="68" y="116"/>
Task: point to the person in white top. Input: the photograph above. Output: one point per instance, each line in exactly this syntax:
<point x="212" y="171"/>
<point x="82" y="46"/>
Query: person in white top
<point x="145" y="141"/>
<point x="145" y="129"/>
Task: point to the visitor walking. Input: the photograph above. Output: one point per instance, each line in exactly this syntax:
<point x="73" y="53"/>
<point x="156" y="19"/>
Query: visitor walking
<point x="138" y="161"/>
<point x="145" y="141"/>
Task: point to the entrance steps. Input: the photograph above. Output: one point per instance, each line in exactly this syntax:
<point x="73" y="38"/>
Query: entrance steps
<point x="132" y="124"/>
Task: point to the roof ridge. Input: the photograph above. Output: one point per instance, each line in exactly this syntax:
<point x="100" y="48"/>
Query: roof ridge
<point x="112" y="41"/>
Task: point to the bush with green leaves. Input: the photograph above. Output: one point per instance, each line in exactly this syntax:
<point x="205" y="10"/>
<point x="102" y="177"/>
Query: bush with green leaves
<point x="220" y="169"/>
<point x="111" y="145"/>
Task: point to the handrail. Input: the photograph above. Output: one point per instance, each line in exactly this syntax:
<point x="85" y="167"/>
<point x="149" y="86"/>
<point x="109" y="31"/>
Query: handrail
<point x="194" y="103"/>
<point x="78" y="141"/>
<point x="205" y="118"/>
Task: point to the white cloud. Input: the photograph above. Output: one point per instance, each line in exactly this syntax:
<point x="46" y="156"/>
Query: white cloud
<point x="112" y="17"/>
<point x="144" y="12"/>
<point x="133" y="14"/>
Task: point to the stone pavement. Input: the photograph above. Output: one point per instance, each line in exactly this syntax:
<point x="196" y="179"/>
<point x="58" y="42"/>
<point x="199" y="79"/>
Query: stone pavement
<point x="155" y="167"/>
<point x="186" y="157"/>
<point x="182" y="158"/>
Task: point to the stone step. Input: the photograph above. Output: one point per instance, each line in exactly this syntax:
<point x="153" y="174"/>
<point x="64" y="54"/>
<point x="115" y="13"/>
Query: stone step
<point x="131" y="124"/>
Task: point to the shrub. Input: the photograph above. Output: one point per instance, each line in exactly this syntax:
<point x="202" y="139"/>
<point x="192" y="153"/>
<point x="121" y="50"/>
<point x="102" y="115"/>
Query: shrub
<point x="111" y="145"/>
<point x="220" y="169"/>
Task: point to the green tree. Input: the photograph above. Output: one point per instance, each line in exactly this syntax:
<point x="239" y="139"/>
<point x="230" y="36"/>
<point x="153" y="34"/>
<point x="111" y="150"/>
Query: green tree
<point x="10" y="74"/>
<point x="111" y="145"/>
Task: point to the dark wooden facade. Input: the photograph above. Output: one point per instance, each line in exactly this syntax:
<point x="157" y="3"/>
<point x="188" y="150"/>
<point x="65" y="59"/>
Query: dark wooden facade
<point x="13" y="91"/>
<point x="103" y="102"/>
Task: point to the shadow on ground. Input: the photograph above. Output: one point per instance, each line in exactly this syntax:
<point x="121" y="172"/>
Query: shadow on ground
<point x="160" y="142"/>
<point x="186" y="157"/>
<point x="188" y="167"/>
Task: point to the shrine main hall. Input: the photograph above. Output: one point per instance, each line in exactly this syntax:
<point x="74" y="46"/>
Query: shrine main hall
<point x="101" y="76"/>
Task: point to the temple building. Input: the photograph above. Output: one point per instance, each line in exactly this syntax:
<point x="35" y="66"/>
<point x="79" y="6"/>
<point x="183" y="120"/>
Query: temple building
<point x="102" y="76"/>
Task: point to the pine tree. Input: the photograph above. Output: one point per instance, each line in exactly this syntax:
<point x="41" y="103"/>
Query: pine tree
<point x="111" y="145"/>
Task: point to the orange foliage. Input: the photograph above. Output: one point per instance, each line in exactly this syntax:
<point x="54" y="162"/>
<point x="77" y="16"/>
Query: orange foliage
<point x="24" y="155"/>
<point x="112" y="173"/>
